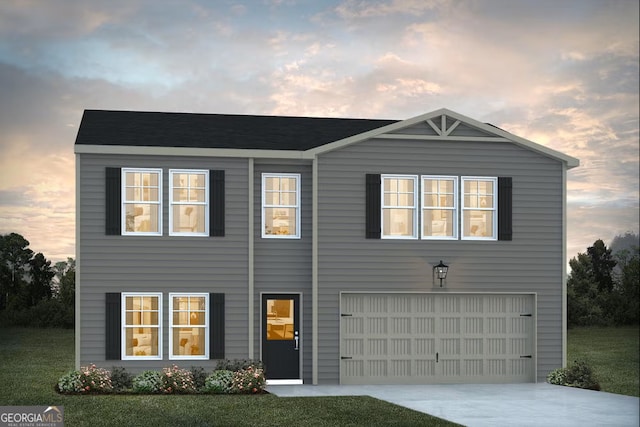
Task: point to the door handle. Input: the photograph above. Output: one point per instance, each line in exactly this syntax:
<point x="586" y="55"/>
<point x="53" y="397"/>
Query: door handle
<point x="436" y="357"/>
<point x="296" y="338"/>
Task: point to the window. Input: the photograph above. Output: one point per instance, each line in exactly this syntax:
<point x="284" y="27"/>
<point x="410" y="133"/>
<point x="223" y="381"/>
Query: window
<point x="189" y="202"/>
<point x="479" y="208"/>
<point x="281" y="205"/>
<point x="142" y="201"/>
<point x="141" y="323"/>
<point x="399" y="200"/>
<point x="439" y="207"/>
<point x="189" y="326"/>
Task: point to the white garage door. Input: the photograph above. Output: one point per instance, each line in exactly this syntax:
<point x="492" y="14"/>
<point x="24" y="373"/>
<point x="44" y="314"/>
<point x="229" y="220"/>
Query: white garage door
<point x="413" y="338"/>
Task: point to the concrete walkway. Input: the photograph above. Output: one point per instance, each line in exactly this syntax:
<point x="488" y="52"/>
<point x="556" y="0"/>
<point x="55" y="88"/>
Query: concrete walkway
<point x="484" y="405"/>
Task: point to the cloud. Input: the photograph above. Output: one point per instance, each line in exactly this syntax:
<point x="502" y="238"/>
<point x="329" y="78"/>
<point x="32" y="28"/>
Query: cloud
<point x="563" y="74"/>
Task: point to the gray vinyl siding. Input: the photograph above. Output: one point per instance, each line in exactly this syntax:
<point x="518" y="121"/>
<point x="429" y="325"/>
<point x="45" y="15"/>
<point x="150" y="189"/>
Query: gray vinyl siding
<point x="531" y="262"/>
<point x="284" y="265"/>
<point x="161" y="263"/>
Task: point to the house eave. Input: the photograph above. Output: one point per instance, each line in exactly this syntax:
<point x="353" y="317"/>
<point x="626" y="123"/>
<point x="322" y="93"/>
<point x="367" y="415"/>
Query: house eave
<point x="189" y="151"/>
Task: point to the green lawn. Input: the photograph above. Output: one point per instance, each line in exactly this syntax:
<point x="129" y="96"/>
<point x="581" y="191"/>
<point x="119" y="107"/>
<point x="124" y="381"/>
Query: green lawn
<point x="613" y="353"/>
<point x="32" y="360"/>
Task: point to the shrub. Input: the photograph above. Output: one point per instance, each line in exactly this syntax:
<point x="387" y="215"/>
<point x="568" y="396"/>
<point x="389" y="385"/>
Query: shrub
<point x="95" y="379"/>
<point x="147" y="382"/>
<point x="581" y="375"/>
<point x="88" y="379"/>
<point x="199" y="377"/>
<point x="176" y="380"/>
<point x="121" y="379"/>
<point x="249" y="380"/>
<point x="238" y="365"/>
<point x="219" y="382"/>
<point x="70" y="382"/>
<point x="557" y="376"/>
<point x="578" y="375"/>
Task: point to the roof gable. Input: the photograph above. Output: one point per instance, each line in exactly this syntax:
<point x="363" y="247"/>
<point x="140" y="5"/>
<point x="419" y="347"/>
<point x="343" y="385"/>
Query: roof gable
<point x="444" y="124"/>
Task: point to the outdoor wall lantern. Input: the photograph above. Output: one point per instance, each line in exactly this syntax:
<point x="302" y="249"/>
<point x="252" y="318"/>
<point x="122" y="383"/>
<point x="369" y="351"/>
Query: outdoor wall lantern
<point x="440" y="271"/>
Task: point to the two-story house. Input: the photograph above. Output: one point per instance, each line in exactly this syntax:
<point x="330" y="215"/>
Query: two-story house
<point x="352" y="251"/>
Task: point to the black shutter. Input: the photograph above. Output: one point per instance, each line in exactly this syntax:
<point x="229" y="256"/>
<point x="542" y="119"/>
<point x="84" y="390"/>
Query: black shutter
<point x="113" y="324"/>
<point x="216" y="326"/>
<point x="373" y="206"/>
<point x="113" y="201"/>
<point x="216" y="208"/>
<point x="505" y="208"/>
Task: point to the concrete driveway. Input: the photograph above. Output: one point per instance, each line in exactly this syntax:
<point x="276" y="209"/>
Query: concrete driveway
<point x="482" y="405"/>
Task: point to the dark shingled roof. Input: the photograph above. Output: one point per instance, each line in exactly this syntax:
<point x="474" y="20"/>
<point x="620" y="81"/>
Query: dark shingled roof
<point x="155" y="129"/>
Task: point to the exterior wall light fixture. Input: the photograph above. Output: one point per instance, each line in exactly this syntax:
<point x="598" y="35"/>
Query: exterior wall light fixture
<point x="440" y="271"/>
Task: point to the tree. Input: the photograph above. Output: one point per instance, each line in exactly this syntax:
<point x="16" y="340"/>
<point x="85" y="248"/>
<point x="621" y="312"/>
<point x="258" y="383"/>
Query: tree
<point x="39" y="287"/>
<point x="66" y="282"/>
<point x="602" y="264"/>
<point x="582" y="294"/>
<point x="603" y="288"/>
<point x="14" y="262"/>
<point x="628" y="286"/>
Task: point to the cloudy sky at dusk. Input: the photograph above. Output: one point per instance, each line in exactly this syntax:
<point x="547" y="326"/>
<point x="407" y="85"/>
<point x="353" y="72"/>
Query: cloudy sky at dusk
<point x="562" y="73"/>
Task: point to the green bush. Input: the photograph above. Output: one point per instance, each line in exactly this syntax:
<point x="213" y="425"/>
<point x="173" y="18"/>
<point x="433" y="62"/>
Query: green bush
<point x="199" y="377"/>
<point x="121" y="380"/>
<point x="218" y="382"/>
<point x="147" y="382"/>
<point x="45" y="314"/>
<point x="70" y="382"/>
<point x="579" y="375"/>
<point x="176" y="380"/>
<point x="248" y="381"/>
<point x="238" y="364"/>
<point x="89" y="379"/>
<point x="557" y="376"/>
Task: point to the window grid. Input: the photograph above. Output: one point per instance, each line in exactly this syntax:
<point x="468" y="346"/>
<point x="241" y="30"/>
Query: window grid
<point x="142" y="201"/>
<point x="280" y="205"/>
<point x="439" y="207"/>
<point x="399" y="200"/>
<point x="479" y="208"/>
<point x="189" y="326"/>
<point x="189" y="203"/>
<point x="142" y="326"/>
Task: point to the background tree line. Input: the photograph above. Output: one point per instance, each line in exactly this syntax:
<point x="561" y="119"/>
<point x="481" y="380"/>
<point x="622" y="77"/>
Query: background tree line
<point x="32" y="291"/>
<point x="603" y="287"/>
<point x="604" y="283"/>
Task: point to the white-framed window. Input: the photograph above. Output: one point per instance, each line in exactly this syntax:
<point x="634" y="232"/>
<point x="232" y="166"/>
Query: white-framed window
<point x="141" y="326"/>
<point x="142" y="202"/>
<point x="188" y="202"/>
<point x="399" y="206"/>
<point x="281" y="205"/>
<point x="189" y="326"/>
<point x="439" y="207"/>
<point x="479" y="208"/>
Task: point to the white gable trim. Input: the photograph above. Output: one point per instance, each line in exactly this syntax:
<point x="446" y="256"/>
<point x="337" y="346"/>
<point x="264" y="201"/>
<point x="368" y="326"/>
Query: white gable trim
<point x="445" y="134"/>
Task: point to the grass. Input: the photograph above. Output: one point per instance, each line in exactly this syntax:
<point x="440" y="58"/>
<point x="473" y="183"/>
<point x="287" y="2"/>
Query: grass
<point x="34" y="359"/>
<point x="612" y="353"/>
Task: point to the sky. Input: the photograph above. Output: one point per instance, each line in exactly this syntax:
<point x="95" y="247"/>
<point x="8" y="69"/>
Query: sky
<point x="561" y="73"/>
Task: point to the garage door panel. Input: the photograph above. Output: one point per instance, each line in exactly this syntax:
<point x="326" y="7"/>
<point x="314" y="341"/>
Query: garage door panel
<point x="437" y="338"/>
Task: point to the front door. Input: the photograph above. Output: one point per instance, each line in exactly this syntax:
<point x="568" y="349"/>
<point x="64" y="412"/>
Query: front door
<point x="281" y="337"/>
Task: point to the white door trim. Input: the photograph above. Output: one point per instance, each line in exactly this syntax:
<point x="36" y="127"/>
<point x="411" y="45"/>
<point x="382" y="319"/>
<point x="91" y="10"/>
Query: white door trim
<point x="292" y="381"/>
